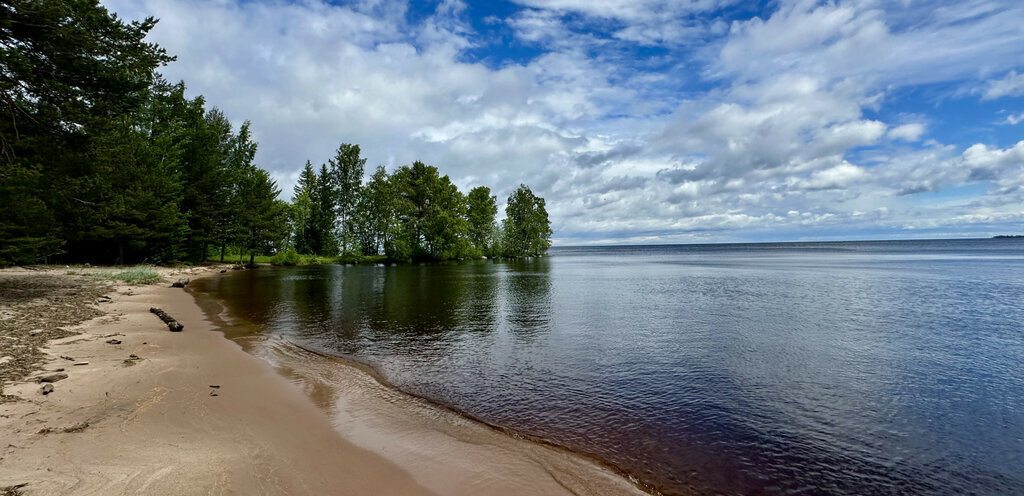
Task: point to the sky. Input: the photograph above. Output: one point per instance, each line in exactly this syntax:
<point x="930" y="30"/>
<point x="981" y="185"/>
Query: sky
<point x="640" y="121"/>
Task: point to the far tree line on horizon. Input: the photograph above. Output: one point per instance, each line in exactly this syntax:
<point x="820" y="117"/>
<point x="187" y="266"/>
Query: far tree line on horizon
<point x="101" y="160"/>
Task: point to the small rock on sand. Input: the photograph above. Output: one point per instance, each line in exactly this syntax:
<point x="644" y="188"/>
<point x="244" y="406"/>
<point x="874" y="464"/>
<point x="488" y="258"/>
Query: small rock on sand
<point x="113" y="341"/>
<point x="180" y="283"/>
<point x="46" y="389"/>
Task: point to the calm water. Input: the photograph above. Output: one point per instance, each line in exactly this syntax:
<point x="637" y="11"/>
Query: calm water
<point x="842" y="368"/>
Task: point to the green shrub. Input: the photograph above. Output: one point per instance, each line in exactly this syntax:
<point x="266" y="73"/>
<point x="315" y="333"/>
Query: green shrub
<point x="291" y="257"/>
<point x="277" y="259"/>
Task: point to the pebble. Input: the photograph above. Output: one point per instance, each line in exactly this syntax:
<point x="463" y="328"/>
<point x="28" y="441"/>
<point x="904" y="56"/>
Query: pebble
<point x="46" y="389"/>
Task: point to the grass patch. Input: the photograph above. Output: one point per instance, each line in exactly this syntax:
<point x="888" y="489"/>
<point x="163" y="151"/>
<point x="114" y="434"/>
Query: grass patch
<point x="141" y="274"/>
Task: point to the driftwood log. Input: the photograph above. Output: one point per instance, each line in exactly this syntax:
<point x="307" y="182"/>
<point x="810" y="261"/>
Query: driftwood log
<point x="172" y="324"/>
<point x="180" y="283"/>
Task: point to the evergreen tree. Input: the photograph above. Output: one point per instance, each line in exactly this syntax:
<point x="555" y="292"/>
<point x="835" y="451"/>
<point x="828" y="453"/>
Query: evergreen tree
<point x="527" y="230"/>
<point x="264" y="218"/>
<point x="69" y="71"/>
<point x="302" y="210"/>
<point x="204" y="171"/>
<point x="323" y="218"/>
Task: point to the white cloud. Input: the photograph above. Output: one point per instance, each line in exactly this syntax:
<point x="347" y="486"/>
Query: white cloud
<point x="774" y="124"/>
<point x="1013" y="120"/>
<point x="907" y="132"/>
<point x="840" y="176"/>
<point x="1010" y="85"/>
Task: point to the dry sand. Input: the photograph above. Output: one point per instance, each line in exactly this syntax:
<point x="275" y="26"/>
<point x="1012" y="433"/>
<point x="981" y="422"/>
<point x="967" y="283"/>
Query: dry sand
<point x="153" y="425"/>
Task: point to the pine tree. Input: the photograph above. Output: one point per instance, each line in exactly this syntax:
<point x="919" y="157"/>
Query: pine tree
<point x="323" y="218"/>
<point x="69" y="71"/>
<point x="302" y="210"/>
<point x="264" y="217"/>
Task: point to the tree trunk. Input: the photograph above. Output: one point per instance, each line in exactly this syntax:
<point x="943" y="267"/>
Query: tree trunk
<point x="252" y="259"/>
<point x="222" y="247"/>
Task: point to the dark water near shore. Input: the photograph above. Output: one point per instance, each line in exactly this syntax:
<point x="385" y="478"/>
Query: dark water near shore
<point x="840" y="368"/>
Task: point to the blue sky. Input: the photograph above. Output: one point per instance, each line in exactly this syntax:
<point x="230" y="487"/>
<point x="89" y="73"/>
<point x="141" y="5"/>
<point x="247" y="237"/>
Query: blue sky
<point x="641" y="121"/>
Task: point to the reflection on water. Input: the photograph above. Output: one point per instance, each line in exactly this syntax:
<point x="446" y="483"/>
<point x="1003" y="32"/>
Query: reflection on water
<point x="848" y="368"/>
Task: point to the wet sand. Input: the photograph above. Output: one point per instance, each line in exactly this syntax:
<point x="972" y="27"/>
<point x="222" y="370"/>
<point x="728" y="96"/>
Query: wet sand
<point x="283" y="421"/>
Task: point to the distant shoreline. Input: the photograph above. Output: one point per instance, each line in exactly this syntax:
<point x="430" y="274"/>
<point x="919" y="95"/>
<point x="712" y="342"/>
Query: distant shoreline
<point x="788" y="242"/>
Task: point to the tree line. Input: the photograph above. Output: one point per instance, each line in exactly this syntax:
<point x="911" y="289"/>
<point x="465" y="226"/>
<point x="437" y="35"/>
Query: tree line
<point x="103" y="161"/>
<point x="413" y="213"/>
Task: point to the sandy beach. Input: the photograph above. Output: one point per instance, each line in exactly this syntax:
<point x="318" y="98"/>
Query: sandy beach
<point x="147" y="411"/>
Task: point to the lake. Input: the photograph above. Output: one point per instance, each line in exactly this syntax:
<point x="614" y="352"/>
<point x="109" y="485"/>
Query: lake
<point x="839" y="368"/>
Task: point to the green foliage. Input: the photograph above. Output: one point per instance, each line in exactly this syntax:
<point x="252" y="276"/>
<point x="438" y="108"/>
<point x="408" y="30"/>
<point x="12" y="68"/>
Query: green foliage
<point x="527" y="230"/>
<point x="347" y="178"/>
<point x="264" y="218"/>
<point x="430" y="213"/>
<point x="103" y="161"/>
<point x="417" y="214"/>
<point x="324" y="218"/>
<point x="480" y="212"/>
<point x="287" y="257"/>
<point x="67" y="64"/>
<point x="304" y="236"/>
<point x="68" y="71"/>
<point x="375" y="221"/>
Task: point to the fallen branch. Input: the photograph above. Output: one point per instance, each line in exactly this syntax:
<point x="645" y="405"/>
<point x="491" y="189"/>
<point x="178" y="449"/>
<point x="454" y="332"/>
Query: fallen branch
<point x="172" y="324"/>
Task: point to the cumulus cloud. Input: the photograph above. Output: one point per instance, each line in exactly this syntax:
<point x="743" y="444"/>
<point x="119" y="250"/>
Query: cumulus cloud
<point x="907" y="132"/>
<point x="639" y="121"/>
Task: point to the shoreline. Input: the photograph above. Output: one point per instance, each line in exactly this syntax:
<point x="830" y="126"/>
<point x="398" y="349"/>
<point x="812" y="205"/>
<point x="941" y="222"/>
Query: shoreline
<point x="574" y="471"/>
<point x="370" y="370"/>
<point x="158" y="427"/>
<point x="154" y="424"/>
